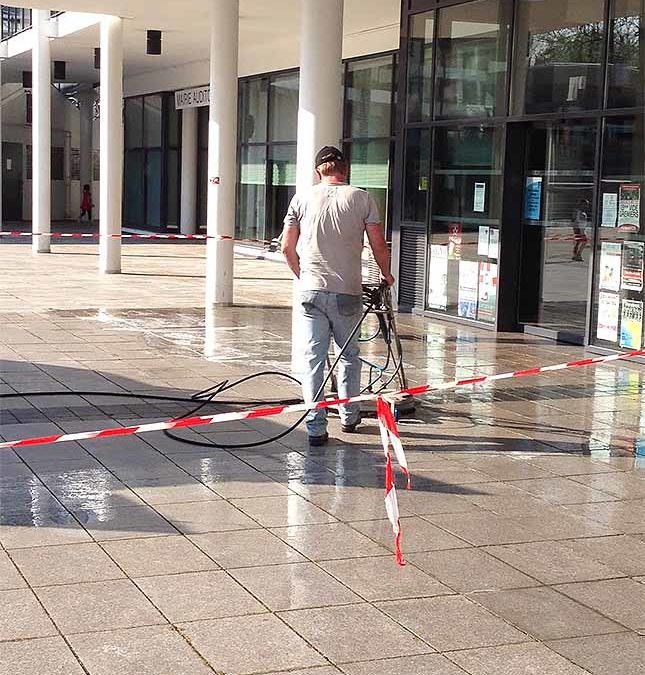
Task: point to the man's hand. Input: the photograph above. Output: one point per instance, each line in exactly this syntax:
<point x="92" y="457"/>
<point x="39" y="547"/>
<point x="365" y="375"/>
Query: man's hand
<point x="289" y="244"/>
<point x="388" y="279"/>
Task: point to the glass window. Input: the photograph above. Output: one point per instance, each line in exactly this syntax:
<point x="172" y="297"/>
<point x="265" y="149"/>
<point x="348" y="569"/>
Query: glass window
<point x="464" y="228"/>
<point x="618" y="285"/>
<point x="559" y="56"/>
<point x="472" y="44"/>
<point x="152" y="108"/>
<point x="627" y="54"/>
<point x="283" y="110"/>
<point x="370" y="170"/>
<point x="368" y="98"/>
<point x="416" y="175"/>
<point x="282" y="187"/>
<point x="172" y="188"/>
<point x="153" y="188"/>
<point x="133" y="187"/>
<point x="419" y="85"/>
<point x="134" y="123"/>
<point x="253" y="110"/>
<point x="173" y="123"/>
<point x="251" y="195"/>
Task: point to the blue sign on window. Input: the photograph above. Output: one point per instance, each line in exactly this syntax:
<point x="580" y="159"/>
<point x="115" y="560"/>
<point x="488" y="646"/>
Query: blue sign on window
<point x="533" y="198"/>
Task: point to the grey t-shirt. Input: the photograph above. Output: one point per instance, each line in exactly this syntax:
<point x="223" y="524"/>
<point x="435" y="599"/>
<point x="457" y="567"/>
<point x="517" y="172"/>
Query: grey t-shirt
<point x="332" y="220"/>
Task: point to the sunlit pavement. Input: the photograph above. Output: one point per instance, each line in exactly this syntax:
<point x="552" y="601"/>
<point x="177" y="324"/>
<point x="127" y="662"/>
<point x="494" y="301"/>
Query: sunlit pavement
<point x="524" y="530"/>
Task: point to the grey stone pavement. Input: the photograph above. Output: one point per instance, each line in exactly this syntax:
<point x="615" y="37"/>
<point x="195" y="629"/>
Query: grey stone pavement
<point x="524" y="530"/>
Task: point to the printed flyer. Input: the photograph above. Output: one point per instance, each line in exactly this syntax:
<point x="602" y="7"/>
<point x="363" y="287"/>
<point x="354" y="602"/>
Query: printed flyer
<point x="629" y="207"/>
<point x="632" y="275"/>
<point x="479" y="198"/>
<point x="610" y="263"/>
<point x="455" y="231"/>
<point x="438" y="277"/>
<point x="609" y="209"/>
<point x="482" y="241"/>
<point x="493" y="248"/>
<point x="487" y="291"/>
<point x="468" y="278"/>
<point x="631" y="324"/>
<point x="533" y="198"/>
<point x="608" y="304"/>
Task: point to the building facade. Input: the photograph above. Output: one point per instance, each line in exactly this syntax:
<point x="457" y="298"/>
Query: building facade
<point x="502" y="139"/>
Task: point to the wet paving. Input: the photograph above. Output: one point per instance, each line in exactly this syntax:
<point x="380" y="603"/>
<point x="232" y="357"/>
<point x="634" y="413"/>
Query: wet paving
<point x="524" y="530"/>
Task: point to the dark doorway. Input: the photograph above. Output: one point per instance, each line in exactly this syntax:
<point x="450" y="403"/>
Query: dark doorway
<point x="11" y="181"/>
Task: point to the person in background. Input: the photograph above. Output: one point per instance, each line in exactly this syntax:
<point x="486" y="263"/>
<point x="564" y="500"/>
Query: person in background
<point x="322" y="243"/>
<point x="580" y="219"/>
<point x="86" y="203"/>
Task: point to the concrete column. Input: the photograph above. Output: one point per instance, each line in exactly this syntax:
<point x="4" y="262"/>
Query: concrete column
<point x="319" y="111"/>
<point x="86" y="109"/>
<point x="41" y="132"/>
<point x="188" y="214"/>
<point x="222" y="151"/>
<point x="111" y="143"/>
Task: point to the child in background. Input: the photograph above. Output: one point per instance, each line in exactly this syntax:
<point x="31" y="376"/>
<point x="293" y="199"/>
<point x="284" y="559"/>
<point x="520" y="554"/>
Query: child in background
<point x="86" y="204"/>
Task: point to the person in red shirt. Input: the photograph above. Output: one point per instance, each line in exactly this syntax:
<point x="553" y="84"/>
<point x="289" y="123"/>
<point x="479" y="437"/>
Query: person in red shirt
<point x="86" y="204"/>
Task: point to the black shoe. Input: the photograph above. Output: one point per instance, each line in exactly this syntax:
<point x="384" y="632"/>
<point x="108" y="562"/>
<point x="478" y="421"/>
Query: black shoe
<point x="315" y="441"/>
<point x="351" y="428"/>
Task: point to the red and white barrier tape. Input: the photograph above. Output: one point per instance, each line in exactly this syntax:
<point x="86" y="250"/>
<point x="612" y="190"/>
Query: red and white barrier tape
<point x="97" y="235"/>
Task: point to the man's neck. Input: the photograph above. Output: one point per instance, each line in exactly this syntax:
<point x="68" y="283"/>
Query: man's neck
<point x="333" y="180"/>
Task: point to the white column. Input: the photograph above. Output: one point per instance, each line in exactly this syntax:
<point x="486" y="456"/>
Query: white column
<point x="41" y="132"/>
<point x="111" y="144"/>
<point x="1" y="155"/>
<point x="222" y="147"/>
<point x="86" y="110"/>
<point x="320" y="108"/>
<point x="188" y="214"/>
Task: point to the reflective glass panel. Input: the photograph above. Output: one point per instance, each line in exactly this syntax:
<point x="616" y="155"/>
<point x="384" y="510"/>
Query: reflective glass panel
<point x="283" y="111"/>
<point x="419" y="77"/>
<point x="627" y="54"/>
<point x="472" y="43"/>
<point x="152" y="107"/>
<point x="253" y="110"/>
<point x="558" y="64"/>
<point x="134" y="123"/>
<point x="370" y="170"/>
<point x="153" y="188"/>
<point x="368" y="98"/>
<point x="282" y="187"/>
<point x="416" y="175"/>
<point x="172" y="187"/>
<point x="618" y="284"/>
<point x="464" y="228"/>
<point x="252" y="192"/>
<point x="133" y="187"/>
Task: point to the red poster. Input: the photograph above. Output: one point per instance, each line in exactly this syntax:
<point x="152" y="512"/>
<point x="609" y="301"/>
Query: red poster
<point x="454" y="241"/>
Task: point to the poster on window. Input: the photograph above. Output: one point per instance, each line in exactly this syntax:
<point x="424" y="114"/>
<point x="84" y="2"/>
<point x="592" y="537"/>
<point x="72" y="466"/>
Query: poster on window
<point x="455" y="233"/>
<point x="631" y="324"/>
<point x="438" y="277"/>
<point x="487" y="292"/>
<point x="609" y="209"/>
<point x="533" y="198"/>
<point x="608" y="309"/>
<point x="629" y="207"/>
<point x="632" y="275"/>
<point x="482" y="240"/>
<point x="610" y="264"/>
<point x="468" y="281"/>
<point x="479" y="198"/>
<point x="493" y="244"/>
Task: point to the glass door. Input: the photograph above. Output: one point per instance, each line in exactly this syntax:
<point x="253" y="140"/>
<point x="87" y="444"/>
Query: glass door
<point x="558" y="227"/>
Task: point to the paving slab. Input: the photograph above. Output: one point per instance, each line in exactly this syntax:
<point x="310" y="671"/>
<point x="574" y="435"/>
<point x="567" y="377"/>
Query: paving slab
<point x="44" y="656"/>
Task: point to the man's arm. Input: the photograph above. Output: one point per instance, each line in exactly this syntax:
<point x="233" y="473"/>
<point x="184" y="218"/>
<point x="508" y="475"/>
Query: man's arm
<point x="290" y="236"/>
<point x="380" y="251"/>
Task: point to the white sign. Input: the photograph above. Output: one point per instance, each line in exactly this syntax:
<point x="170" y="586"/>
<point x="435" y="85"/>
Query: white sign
<point x="192" y="98"/>
<point x="609" y="209"/>
<point x="493" y="248"/>
<point x="479" y="199"/>
<point x="608" y="316"/>
<point x="483" y="241"/>
<point x="438" y="277"/>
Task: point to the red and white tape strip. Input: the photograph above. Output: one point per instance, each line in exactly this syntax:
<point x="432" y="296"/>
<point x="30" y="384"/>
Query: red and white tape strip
<point x="97" y="235"/>
<point x="302" y="407"/>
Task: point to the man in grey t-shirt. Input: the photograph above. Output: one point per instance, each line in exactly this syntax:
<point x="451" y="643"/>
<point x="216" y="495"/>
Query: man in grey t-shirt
<point x="323" y="243"/>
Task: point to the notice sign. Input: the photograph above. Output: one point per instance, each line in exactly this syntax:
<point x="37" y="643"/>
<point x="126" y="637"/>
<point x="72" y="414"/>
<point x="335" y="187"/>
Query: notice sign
<point x="632" y="276"/>
<point x="609" y="209"/>
<point x="631" y="324"/>
<point x="468" y="281"/>
<point x="533" y="198"/>
<point x="629" y="207"/>
<point x="487" y="292"/>
<point x="493" y="244"/>
<point x="482" y="241"/>
<point x="479" y="200"/>
<point x="455" y="231"/>
<point x="192" y="98"/>
<point x="608" y="304"/>
<point x="610" y="263"/>
<point x="438" y="277"/>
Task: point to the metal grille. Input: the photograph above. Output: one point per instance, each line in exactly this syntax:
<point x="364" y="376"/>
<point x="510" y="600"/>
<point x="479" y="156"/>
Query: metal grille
<point x="412" y="267"/>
